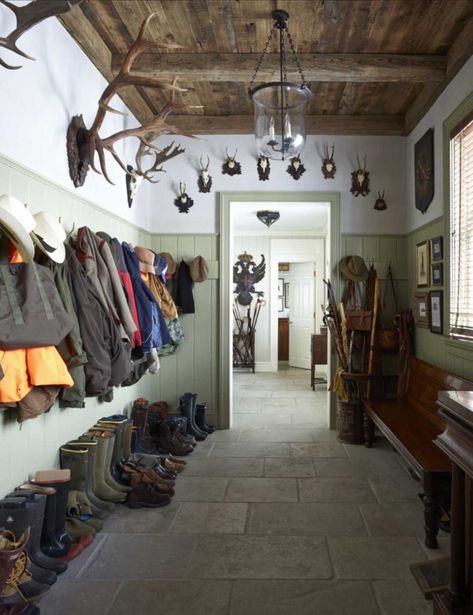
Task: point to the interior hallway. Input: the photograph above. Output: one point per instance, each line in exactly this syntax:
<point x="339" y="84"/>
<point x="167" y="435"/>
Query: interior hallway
<point x="273" y="516"/>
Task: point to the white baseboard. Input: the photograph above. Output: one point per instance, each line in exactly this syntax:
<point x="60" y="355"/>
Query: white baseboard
<point x="264" y="366"/>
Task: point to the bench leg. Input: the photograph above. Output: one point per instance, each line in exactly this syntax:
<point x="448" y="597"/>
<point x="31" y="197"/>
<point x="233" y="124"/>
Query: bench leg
<point x="432" y="510"/>
<point x="368" y="427"/>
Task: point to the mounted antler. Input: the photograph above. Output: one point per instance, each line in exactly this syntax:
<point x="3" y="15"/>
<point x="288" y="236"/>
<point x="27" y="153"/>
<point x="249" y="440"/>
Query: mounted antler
<point x="231" y="166"/>
<point x="83" y="143"/>
<point x="328" y="164"/>
<point x="183" y="202"/>
<point x="360" y="179"/>
<point x="205" y="181"/>
<point x="28" y="16"/>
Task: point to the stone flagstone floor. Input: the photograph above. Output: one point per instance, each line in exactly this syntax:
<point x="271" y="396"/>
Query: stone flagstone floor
<point x="274" y="516"/>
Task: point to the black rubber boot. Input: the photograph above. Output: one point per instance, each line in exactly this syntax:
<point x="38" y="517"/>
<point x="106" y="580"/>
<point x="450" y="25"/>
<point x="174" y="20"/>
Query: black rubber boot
<point x="16" y="514"/>
<point x="50" y="543"/>
<point x="187" y="405"/>
<point x="62" y="490"/>
<point x="200" y="410"/>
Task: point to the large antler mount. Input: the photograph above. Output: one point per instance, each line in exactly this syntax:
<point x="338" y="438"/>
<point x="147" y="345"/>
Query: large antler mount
<point x="28" y="16"/>
<point x="83" y="142"/>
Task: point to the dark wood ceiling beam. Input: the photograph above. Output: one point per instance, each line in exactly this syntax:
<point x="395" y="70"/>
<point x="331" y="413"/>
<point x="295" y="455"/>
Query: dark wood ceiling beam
<point x="356" y="67"/>
<point x="460" y="51"/>
<point x="315" y="124"/>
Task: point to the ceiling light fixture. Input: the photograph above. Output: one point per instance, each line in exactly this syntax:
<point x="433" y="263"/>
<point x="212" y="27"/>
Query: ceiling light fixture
<point x="280" y="105"/>
<point x="268" y="217"/>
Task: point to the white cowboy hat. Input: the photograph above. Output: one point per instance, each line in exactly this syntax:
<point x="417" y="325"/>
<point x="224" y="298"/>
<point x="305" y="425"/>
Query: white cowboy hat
<point x="49" y="235"/>
<point x="17" y="223"/>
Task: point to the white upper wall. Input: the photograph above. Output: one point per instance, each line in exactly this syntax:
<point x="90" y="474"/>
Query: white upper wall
<point x="38" y="101"/>
<point x="459" y="88"/>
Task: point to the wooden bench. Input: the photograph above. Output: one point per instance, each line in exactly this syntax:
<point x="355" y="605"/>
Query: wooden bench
<point x="411" y="423"/>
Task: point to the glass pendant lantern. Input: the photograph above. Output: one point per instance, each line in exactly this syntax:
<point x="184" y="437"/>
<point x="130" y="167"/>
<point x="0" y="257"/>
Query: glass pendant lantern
<point x="279" y="106"/>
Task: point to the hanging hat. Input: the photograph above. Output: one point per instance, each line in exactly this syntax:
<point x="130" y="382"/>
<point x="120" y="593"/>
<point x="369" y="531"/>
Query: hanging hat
<point x="354" y="268"/>
<point x="49" y="235"/>
<point x="17" y="223"/>
<point x="171" y="270"/>
<point x="160" y="265"/>
<point x="146" y="258"/>
<point x="199" y="270"/>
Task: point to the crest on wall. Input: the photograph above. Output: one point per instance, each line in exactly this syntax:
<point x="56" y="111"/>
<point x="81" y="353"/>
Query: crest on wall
<point x="246" y="273"/>
<point x="424" y="170"/>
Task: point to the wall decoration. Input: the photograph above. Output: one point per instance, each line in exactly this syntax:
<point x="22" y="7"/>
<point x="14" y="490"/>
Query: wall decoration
<point x="380" y="204"/>
<point x="328" y="165"/>
<point x="436" y="248"/>
<point x="280" y="304"/>
<point x="421" y="309"/>
<point x="436" y="311"/>
<point x="422" y="264"/>
<point x="283" y="266"/>
<point x="231" y="166"/>
<point x="183" y="202"/>
<point x="205" y="181"/>
<point x="246" y="273"/>
<point x="296" y="169"/>
<point x="27" y="16"/>
<point x="83" y="143"/>
<point x="360" y="179"/>
<point x="437" y="274"/>
<point x="286" y="295"/>
<point x="280" y="287"/>
<point x="135" y="176"/>
<point x="263" y="167"/>
<point x="424" y="171"/>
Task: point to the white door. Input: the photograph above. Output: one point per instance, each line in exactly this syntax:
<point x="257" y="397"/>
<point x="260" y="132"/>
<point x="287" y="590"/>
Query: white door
<point x="301" y="313"/>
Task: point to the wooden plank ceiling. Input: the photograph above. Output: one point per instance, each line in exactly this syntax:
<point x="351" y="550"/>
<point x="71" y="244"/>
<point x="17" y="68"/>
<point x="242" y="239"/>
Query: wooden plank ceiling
<point x="374" y="66"/>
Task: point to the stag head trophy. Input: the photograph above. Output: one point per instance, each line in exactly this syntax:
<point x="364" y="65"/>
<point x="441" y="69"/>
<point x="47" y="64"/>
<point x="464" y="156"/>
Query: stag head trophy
<point x="231" y="166"/>
<point x="135" y="176"/>
<point x="263" y="167"/>
<point x="328" y="165"/>
<point x="295" y="168"/>
<point x="183" y="202"/>
<point x="205" y="181"/>
<point x="83" y="143"/>
<point x="380" y="204"/>
<point x="28" y="16"/>
<point x="360" y="179"/>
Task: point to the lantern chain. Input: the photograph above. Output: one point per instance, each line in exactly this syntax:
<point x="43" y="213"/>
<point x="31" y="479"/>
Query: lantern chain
<point x="296" y="60"/>
<point x="261" y="58"/>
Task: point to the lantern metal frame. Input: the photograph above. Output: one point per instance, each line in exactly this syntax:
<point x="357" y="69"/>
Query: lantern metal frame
<point x="268" y="217"/>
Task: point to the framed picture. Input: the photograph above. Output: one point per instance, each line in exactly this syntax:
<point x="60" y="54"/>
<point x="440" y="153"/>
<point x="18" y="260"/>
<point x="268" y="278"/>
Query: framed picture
<point x="280" y="304"/>
<point x="421" y="309"/>
<point x="283" y="266"/>
<point x="424" y="171"/>
<point x="437" y="274"/>
<point x="280" y="287"/>
<point x="422" y="264"/>
<point x="436" y="311"/>
<point x="286" y="295"/>
<point x="436" y="248"/>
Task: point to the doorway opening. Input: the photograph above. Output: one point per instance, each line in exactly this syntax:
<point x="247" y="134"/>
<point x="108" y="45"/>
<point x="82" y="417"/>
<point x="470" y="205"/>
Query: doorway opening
<point x="307" y="235"/>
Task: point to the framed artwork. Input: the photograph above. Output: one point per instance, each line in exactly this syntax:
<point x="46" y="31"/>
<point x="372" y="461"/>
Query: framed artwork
<point x="422" y="264"/>
<point x="421" y="309"/>
<point x="280" y="304"/>
<point x="283" y="267"/>
<point x="286" y="295"/>
<point x="436" y="248"/>
<point x="436" y="311"/>
<point x="437" y="274"/>
<point x="424" y="171"/>
<point x="280" y="287"/>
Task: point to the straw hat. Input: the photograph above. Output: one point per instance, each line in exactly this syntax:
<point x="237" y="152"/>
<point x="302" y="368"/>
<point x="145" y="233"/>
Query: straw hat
<point x="146" y="258"/>
<point x="17" y="223"/>
<point x="170" y="261"/>
<point x="354" y="268"/>
<point x="199" y="270"/>
<point x="49" y="235"/>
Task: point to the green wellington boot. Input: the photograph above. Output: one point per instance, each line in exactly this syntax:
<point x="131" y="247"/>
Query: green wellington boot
<point x="109" y="435"/>
<point x="102" y="488"/>
<point x="118" y="455"/>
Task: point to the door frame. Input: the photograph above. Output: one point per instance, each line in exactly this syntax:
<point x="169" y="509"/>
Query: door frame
<point x="226" y="279"/>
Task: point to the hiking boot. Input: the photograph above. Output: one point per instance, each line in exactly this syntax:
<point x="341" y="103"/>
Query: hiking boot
<point x="145" y="495"/>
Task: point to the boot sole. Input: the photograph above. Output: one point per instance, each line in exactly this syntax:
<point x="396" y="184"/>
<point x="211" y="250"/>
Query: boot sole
<point x="146" y="505"/>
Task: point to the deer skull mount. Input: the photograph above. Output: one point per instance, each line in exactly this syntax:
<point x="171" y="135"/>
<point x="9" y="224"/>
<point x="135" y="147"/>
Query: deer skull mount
<point x="380" y="204"/>
<point x="83" y="143"/>
<point x="28" y="16"/>
<point x="263" y="167"/>
<point x="360" y="180"/>
<point x="135" y="176"/>
<point x="328" y="165"/>
<point x="205" y="181"/>
<point x="231" y="166"/>
<point x="295" y="168"/>
<point x="183" y="202"/>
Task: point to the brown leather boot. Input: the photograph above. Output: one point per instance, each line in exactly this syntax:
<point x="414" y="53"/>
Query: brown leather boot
<point x="145" y="495"/>
<point x="13" y="569"/>
<point x="170" y="443"/>
<point x="140" y="475"/>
